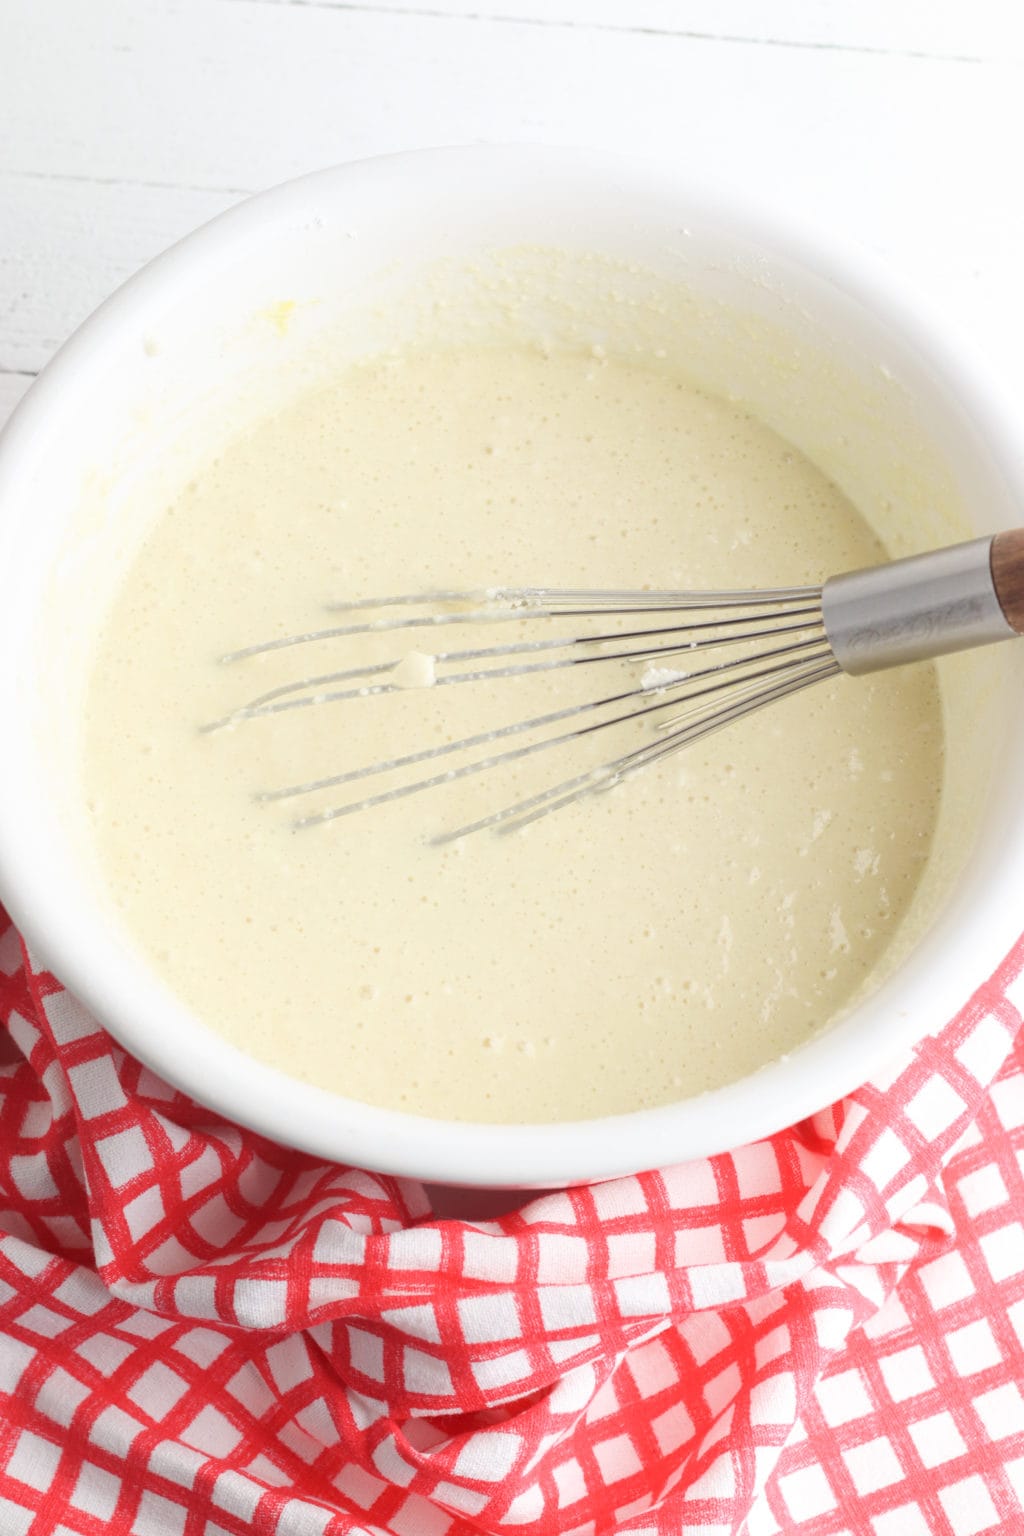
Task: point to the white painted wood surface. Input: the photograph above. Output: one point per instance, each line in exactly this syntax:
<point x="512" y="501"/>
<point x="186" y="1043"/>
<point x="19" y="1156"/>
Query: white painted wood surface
<point x="124" y="123"/>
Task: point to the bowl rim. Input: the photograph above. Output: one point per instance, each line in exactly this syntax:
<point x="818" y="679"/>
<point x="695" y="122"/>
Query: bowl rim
<point x="326" y="1124"/>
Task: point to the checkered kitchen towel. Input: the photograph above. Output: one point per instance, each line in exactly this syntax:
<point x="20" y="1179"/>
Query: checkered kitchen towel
<point x="204" y="1333"/>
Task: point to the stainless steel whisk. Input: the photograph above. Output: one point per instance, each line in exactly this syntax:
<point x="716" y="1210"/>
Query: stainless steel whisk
<point x="788" y="638"/>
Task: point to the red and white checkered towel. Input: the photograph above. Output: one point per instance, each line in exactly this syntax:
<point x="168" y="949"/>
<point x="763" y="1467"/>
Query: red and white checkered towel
<point x="204" y="1333"/>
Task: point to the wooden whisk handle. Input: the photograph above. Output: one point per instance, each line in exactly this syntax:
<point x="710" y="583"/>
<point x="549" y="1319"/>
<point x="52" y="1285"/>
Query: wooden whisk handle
<point x="1007" y="559"/>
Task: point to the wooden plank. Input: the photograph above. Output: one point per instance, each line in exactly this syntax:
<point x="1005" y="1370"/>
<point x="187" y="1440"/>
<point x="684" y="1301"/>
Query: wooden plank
<point x="68" y="243"/>
<point x="917" y="28"/>
<point x="106" y="166"/>
<point x="228" y="95"/>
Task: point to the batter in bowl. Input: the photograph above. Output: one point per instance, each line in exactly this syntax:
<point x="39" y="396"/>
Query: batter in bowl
<point x="642" y="946"/>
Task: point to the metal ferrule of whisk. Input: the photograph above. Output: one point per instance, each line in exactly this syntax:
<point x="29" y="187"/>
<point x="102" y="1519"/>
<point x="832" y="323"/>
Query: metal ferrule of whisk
<point x="910" y="610"/>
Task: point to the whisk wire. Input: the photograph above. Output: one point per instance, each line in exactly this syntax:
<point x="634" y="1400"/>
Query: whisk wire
<point x="791" y="637"/>
<point x="505" y="605"/>
<point x="784" y="649"/>
<point x="531" y="809"/>
<point x="282" y="698"/>
<point x="516" y="754"/>
<point x="557" y="598"/>
<point x="539" y="722"/>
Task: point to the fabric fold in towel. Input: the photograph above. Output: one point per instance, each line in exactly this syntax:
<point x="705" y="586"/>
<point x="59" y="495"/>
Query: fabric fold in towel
<point x="204" y="1332"/>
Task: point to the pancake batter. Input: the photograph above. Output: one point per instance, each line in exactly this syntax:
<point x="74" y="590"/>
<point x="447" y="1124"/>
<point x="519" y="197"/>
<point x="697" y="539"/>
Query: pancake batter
<point x="639" y="947"/>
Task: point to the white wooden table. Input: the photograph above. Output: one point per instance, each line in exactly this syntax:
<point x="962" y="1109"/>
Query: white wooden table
<point x="124" y="123"/>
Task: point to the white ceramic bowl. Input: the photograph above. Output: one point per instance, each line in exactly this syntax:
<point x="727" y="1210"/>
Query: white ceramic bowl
<point x="818" y="340"/>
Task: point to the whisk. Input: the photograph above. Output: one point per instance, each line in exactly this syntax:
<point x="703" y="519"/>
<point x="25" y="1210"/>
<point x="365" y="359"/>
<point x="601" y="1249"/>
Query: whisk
<point x="783" y="640"/>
